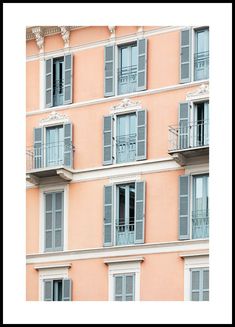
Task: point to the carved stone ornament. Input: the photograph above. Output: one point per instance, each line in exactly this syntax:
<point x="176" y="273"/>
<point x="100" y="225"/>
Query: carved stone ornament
<point x="126" y="103"/>
<point x="37" y="31"/>
<point x="201" y="92"/>
<point x="112" y="31"/>
<point x="65" y="33"/>
<point x="54" y="117"/>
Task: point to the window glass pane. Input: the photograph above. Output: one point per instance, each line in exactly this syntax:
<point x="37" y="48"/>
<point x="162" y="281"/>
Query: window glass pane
<point x="122" y="205"/>
<point x="118" y="285"/>
<point x="124" y="57"/>
<point x="132" y="127"/>
<point x="129" y="285"/>
<point x="206" y="296"/>
<point x="132" y="206"/>
<point x="205" y="279"/>
<point x="122" y="125"/>
<point x="134" y="55"/>
<point x="202" y="39"/>
<point x="195" y="280"/>
<point x="195" y="296"/>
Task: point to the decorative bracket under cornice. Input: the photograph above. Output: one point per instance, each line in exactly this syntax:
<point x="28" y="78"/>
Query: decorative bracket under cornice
<point x="112" y="31"/>
<point x="179" y="158"/>
<point x="39" y="37"/>
<point x="65" y="34"/>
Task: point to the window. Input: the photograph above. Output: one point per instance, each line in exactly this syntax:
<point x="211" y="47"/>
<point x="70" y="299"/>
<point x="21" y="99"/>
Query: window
<point x="54" y="146"/>
<point x="201" y="54"/>
<point x="54" y="221"/>
<point x="124" y="287"/>
<point x="200" y="284"/>
<point x="57" y="289"/>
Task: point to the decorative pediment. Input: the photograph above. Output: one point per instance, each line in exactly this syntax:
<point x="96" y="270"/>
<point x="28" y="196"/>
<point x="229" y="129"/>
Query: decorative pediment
<point x="54" y="118"/>
<point x="127" y="104"/>
<point x="201" y="92"/>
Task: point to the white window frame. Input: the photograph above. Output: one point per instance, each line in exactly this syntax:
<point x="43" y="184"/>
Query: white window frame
<point x="47" y="189"/>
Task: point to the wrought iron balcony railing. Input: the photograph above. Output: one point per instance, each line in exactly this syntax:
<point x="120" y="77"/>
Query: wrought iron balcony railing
<point x="186" y="136"/>
<point x="126" y="148"/>
<point x="125" y="234"/>
<point x="127" y="79"/>
<point x="201" y="65"/>
<point x="49" y="155"/>
<point x="200" y="224"/>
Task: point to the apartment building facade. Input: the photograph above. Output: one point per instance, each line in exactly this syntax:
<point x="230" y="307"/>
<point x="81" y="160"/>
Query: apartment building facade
<point x="117" y="163"/>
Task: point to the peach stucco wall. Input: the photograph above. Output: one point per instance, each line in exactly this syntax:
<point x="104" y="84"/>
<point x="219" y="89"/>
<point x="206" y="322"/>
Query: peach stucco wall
<point x="32" y="85"/>
<point x="32" y="220"/>
<point x="32" y="283"/>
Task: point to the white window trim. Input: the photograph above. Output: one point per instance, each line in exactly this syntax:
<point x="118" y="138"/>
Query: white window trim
<point x="54" y="188"/>
<point x="125" y="267"/>
<point x="52" y="273"/>
<point x="190" y="262"/>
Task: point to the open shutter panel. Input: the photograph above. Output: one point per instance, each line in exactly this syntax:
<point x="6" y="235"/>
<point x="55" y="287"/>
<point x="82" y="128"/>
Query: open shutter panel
<point x="67" y="289"/>
<point x="68" y="145"/>
<point x="38" y="148"/>
<point x="108" y="215"/>
<point x="185" y="56"/>
<point x="58" y="220"/>
<point x="109" y="70"/>
<point x="107" y="141"/>
<point x="68" y="78"/>
<point x="184" y="207"/>
<point x="48" y="290"/>
<point x="142" y="65"/>
<point x="139" y="211"/>
<point x="184" y="131"/>
<point x="49" y="213"/>
<point x="49" y="83"/>
<point x="141" y="134"/>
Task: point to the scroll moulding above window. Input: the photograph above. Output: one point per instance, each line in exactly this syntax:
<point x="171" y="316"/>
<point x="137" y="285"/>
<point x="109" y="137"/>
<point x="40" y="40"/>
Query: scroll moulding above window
<point x="200" y="93"/>
<point x="126" y="105"/>
<point x="54" y="118"/>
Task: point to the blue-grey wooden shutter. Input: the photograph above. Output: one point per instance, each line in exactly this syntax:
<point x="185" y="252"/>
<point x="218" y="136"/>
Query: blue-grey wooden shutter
<point x="66" y="289"/>
<point x="119" y="287"/>
<point x="38" y="148"/>
<point x="184" y="207"/>
<point x="68" y="145"/>
<point x="108" y="215"/>
<point x="68" y="78"/>
<point x="184" y="129"/>
<point x="195" y="284"/>
<point x="109" y="70"/>
<point x="185" y="55"/>
<point x="129" y="288"/>
<point x="107" y="140"/>
<point x="49" y="83"/>
<point x="142" y="65"/>
<point x="48" y="290"/>
<point x="141" y="135"/>
<point x="139" y="211"/>
<point x="58" y="220"/>
<point x="49" y="213"/>
<point x="205" y="284"/>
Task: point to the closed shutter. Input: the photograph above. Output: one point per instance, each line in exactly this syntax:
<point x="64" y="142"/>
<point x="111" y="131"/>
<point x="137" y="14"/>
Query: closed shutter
<point x="107" y="141"/>
<point x="141" y="133"/>
<point x="109" y="70"/>
<point x="68" y="78"/>
<point x="142" y="65"/>
<point x="108" y="215"/>
<point x="185" y="56"/>
<point x="48" y="290"/>
<point x="130" y="287"/>
<point x="49" y="83"/>
<point x="67" y="289"/>
<point x="119" y="287"/>
<point x="139" y="211"/>
<point x="38" y="148"/>
<point x="184" y="130"/>
<point x="184" y="207"/>
<point x="49" y="240"/>
<point x="68" y="145"/>
<point x="205" y="284"/>
<point x="195" y="284"/>
<point x="58" y="220"/>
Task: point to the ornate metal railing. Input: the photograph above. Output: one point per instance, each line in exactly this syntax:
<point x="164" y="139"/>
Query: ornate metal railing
<point x="126" y="147"/>
<point x="201" y="65"/>
<point x="49" y="155"/>
<point x="185" y="136"/>
<point x="127" y="79"/>
<point x="125" y="234"/>
<point x="200" y="224"/>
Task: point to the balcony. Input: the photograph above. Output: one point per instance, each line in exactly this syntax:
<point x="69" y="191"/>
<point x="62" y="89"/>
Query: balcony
<point x="125" y="234"/>
<point x="127" y="79"/>
<point x="189" y="143"/>
<point x="49" y="160"/>
<point x="201" y="65"/>
<point x="126" y="148"/>
<point x="200" y="224"/>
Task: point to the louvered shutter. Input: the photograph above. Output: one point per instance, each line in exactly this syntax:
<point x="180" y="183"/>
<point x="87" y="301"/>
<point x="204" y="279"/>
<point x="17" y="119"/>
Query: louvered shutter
<point x="68" y="78"/>
<point x="185" y="56"/>
<point x="49" y="213"/>
<point x="139" y="211"/>
<point x="107" y="140"/>
<point x="141" y="134"/>
<point x="119" y="287"/>
<point x="129" y="288"/>
<point x="142" y="65"/>
<point x="109" y="70"/>
<point x="184" y="207"/>
<point x="48" y="290"/>
<point x="108" y="215"/>
<point x="195" y="284"/>
<point x="49" y="83"/>
<point x="68" y="145"/>
<point x="38" y="148"/>
<point x="184" y="128"/>
<point x="67" y="289"/>
<point x="58" y="220"/>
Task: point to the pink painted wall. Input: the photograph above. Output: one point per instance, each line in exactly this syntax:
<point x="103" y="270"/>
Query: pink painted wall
<point x="32" y="85"/>
<point x="32" y="283"/>
<point x="32" y="220"/>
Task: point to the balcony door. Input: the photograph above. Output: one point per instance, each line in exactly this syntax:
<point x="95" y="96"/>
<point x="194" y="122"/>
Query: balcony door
<point x="201" y="124"/>
<point x="201" y="56"/>
<point x="200" y="214"/>
<point x="54" y="146"/>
